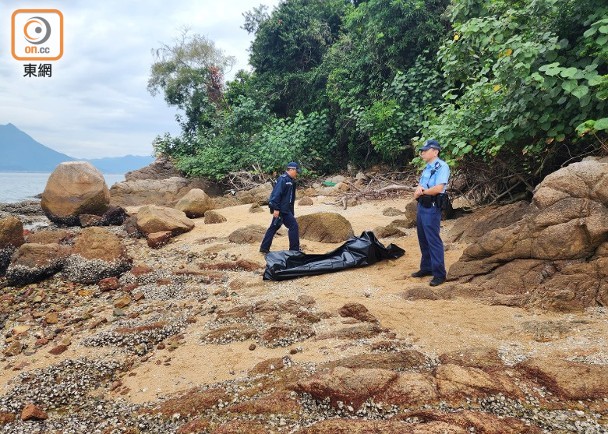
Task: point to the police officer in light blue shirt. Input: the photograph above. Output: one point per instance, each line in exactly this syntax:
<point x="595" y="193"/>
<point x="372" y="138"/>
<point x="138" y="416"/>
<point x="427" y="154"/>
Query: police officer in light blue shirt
<point x="430" y="194"/>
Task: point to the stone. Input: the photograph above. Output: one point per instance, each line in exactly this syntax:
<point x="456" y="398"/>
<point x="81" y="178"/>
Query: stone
<point x="156" y="240"/>
<point x="11" y="237"/>
<point x="152" y="218"/>
<point x="349" y="386"/>
<point x="251" y="234"/>
<point x="34" y="262"/>
<point x="357" y="311"/>
<point x="74" y="188"/>
<point x="195" y="203"/>
<point x="213" y="217"/>
<point x="325" y="227"/>
<point x="96" y="255"/>
<point x="33" y="412"/>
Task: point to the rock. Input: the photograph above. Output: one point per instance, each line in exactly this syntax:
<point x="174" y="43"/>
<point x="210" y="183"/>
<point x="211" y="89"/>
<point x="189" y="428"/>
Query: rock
<point x="158" y="239"/>
<point x="97" y="254"/>
<point x="351" y="387"/>
<point x="33" y="412"/>
<point x="255" y="208"/>
<point x="45" y="236"/>
<point x="213" y="217"/>
<point x="122" y="302"/>
<point x="74" y="188"/>
<point x="88" y="220"/>
<point x="357" y="311"/>
<point x="108" y="284"/>
<point x="195" y="203"/>
<point x="59" y="349"/>
<point x="258" y="194"/>
<point x="392" y="212"/>
<point x="411" y="389"/>
<point x="11" y="237"/>
<point x="6" y="418"/>
<point x="305" y="201"/>
<point x="153" y="218"/>
<point x="397" y="361"/>
<point x="553" y="257"/>
<point x="251" y="234"/>
<point x="51" y="318"/>
<point x="34" y="262"/>
<point x="325" y="227"/>
<point x="159" y="192"/>
<point x="570" y="380"/>
<point x="161" y="168"/>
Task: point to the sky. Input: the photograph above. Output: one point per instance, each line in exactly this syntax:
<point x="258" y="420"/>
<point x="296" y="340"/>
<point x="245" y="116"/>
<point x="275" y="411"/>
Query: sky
<point x="96" y="103"/>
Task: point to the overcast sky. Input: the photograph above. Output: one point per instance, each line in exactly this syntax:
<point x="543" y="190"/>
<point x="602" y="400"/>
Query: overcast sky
<point x="96" y="103"/>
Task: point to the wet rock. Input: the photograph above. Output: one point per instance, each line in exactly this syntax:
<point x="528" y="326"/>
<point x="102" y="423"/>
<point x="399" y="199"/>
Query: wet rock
<point x="11" y="237"/>
<point x="34" y="262"/>
<point x="97" y="254"/>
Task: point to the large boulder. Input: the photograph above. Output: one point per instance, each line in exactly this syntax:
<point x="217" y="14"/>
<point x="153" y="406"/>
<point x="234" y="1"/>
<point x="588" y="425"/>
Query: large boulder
<point x="163" y="192"/>
<point x="161" y="168"/>
<point x="151" y="219"/>
<point x="34" y="262"/>
<point x="325" y="227"/>
<point x="556" y="255"/>
<point x="11" y="237"/>
<point x="74" y="188"/>
<point x="97" y="254"/>
<point x="195" y="203"/>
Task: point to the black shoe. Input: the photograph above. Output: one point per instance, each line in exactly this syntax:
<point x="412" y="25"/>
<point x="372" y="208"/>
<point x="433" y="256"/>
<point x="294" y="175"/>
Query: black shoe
<point x="436" y="281"/>
<point x="421" y="273"/>
<point x="264" y="251"/>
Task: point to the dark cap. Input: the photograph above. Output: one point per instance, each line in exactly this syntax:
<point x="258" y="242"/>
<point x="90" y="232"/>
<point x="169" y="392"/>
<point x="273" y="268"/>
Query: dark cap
<point x="430" y="144"/>
<point x="294" y="165"/>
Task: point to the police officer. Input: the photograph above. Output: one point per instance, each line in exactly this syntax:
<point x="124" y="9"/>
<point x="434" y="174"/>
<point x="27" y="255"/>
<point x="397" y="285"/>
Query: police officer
<point x="281" y="203"/>
<point x="429" y="195"/>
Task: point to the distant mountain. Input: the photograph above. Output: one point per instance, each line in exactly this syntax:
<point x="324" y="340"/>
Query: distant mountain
<point x="20" y="153"/>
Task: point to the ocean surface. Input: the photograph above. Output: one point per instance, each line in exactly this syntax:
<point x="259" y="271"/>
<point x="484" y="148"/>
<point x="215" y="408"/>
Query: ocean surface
<point x="18" y="186"/>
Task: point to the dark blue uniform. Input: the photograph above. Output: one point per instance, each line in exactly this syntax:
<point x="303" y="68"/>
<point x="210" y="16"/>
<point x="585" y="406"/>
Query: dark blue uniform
<point x="428" y="220"/>
<point x="283" y="198"/>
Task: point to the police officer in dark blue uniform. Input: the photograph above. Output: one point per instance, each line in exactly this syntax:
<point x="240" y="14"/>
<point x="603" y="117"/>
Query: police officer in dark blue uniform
<point x="430" y="194"/>
<point x="281" y="203"/>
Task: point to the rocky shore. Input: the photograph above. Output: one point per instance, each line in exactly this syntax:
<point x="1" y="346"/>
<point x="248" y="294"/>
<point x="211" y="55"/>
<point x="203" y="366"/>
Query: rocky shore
<point x="185" y="337"/>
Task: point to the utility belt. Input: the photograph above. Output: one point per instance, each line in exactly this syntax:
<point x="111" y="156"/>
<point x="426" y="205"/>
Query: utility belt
<point x="427" y="201"/>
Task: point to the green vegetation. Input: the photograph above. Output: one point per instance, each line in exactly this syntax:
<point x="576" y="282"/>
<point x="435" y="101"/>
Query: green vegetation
<point x="516" y="87"/>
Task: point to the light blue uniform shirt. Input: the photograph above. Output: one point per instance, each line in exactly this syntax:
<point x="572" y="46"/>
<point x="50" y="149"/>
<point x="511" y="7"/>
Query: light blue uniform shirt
<point x="436" y="172"/>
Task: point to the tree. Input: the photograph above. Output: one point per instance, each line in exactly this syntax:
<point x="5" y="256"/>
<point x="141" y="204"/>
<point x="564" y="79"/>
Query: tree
<point x="522" y="75"/>
<point x="190" y="74"/>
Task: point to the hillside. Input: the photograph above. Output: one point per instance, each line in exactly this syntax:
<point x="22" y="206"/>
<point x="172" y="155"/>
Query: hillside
<point x="19" y="152"/>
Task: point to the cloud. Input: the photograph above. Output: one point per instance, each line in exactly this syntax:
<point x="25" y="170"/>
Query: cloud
<point x="96" y="103"/>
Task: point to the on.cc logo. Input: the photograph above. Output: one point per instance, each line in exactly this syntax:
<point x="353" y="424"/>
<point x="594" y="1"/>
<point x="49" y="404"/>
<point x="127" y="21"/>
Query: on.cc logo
<point x="37" y="30"/>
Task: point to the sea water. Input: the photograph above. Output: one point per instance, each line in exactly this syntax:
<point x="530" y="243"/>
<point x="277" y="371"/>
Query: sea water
<point x="18" y="186"/>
